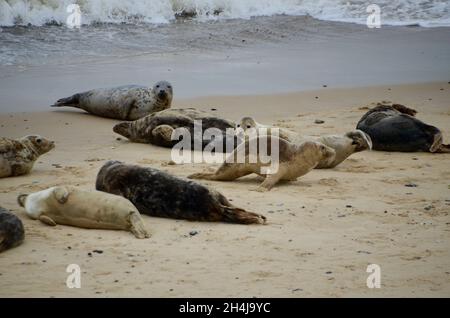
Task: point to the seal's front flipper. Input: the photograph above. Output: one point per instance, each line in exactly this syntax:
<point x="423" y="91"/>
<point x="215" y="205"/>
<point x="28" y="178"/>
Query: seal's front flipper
<point x="164" y="132"/>
<point x="137" y="226"/>
<point x="45" y="219"/>
<point x="61" y="194"/>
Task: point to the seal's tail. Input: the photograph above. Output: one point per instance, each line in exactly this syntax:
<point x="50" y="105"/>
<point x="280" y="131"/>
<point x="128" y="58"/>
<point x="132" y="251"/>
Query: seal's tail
<point x="237" y="215"/>
<point x="73" y="100"/>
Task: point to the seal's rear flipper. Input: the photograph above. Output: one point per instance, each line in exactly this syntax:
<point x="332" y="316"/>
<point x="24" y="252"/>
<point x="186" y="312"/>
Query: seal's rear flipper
<point x="137" y="226"/>
<point x="443" y="149"/>
<point x="236" y="215"/>
<point x="2" y="244"/>
<point x="73" y="100"/>
<point x="206" y="176"/>
<point x="405" y="110"/>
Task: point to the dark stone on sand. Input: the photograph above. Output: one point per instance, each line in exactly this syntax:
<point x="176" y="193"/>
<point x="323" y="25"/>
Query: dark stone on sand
<point x="192" y="233"/>
<point x="411" y="185"/>
<point x="319" y="121"/>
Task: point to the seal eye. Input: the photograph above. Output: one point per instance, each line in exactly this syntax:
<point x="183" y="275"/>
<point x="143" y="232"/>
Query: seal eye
<point x="238" y="126"/>
<point x="169" y="86"/>
<point x="39" y="140"/>
<point x="248" y="126"/>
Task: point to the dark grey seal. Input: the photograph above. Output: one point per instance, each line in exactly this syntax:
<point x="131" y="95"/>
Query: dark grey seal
<point x="393" y="127"/>
<point x="160" y="194"/>
<point x="11" y="230"/>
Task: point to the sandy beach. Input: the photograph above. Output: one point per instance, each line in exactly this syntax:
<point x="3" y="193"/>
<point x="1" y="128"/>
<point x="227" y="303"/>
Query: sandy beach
<point x="285" y="63"/>
<point x="323" y="230"/>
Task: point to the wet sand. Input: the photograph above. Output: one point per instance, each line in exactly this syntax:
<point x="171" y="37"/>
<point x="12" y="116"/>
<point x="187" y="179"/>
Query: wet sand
<point x="322" y="232"/>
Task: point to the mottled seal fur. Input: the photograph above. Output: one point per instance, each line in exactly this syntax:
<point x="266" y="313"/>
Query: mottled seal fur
<point x="11" y="230"/>
<point x="87" y="209"/>
<point x="17" y="157"/>
<point x="157" y="128"/>
<point x="393" y="127"/>
<point x="295" y="160"/>
<point x="160" y="194"/>
<point x="128" y="102"/>
<point x="344" y="145"/>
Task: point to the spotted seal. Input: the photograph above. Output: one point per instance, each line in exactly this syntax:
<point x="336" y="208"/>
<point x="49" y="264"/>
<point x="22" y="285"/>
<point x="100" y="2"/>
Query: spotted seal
<point x="128" y="102"/>
<point x="17" y="156"/>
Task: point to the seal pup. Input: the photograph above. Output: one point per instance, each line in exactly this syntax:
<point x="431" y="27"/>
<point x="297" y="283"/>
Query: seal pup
<point x="344" y="145"/>
<point x="160" y="194"/>
<point x="128" y="102"/>
<point x="295" y="160"/>
<point x="157" y="128"/>
<point x="17" y="156"/>
<point x="68" y="205"/>
<point x="11" y="230"/>
<point x="393" y="127"/>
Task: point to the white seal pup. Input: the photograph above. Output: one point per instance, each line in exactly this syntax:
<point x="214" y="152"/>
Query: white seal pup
<point x="87" y="209"/>
<point x="128" y="102"/>
<point x="17" y="157"/>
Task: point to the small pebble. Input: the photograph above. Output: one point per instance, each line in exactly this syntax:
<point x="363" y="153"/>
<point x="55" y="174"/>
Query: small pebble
<point x="411" y="185"/>
<point x="319" y="121"/>
<point x="192" y="233"/>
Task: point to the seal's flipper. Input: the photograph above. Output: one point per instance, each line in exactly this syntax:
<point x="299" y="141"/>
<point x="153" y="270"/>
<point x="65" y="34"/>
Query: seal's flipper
<point x="45" y="219"/>
<point x="237" y="215"/>
<point x="269" y="182"/>
<point x="61" y="194"/>
<point x="405" y="110"/>
<point x="137" y="226"/>
<point x="164" y="132"/>
<point x="443" y="149"/>
<point x="73" y="101"/>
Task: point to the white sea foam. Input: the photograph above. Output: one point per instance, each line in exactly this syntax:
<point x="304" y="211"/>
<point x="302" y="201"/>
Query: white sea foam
<point x="395" y="12"/>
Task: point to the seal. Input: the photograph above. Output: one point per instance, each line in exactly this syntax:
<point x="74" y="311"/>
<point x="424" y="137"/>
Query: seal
<point x="17" y="157"/>
<point x="87" y="209"/>
<point x="160" y="194"/>
<point x="128" y="102"/>
<point x="295" y="160"/>
<point x="157" y="128"/>
<point x="12" y="233"/>
<point x="344" y="145"/>
<point x="393" y="127"/>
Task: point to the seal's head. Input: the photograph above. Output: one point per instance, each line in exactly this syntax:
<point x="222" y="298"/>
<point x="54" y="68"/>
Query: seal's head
<point x="164" y="92"/>
<point x="360" y="140"/>
<point x="21" y="199"/>
<point x="247" y="123"/>
<point x="40" y="144"/>
<point x="106" y="176"/>
<point x="123" y="129"/>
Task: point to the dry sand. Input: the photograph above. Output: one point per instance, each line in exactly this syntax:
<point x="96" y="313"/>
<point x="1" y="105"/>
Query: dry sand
<point x="323" y="230"/>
